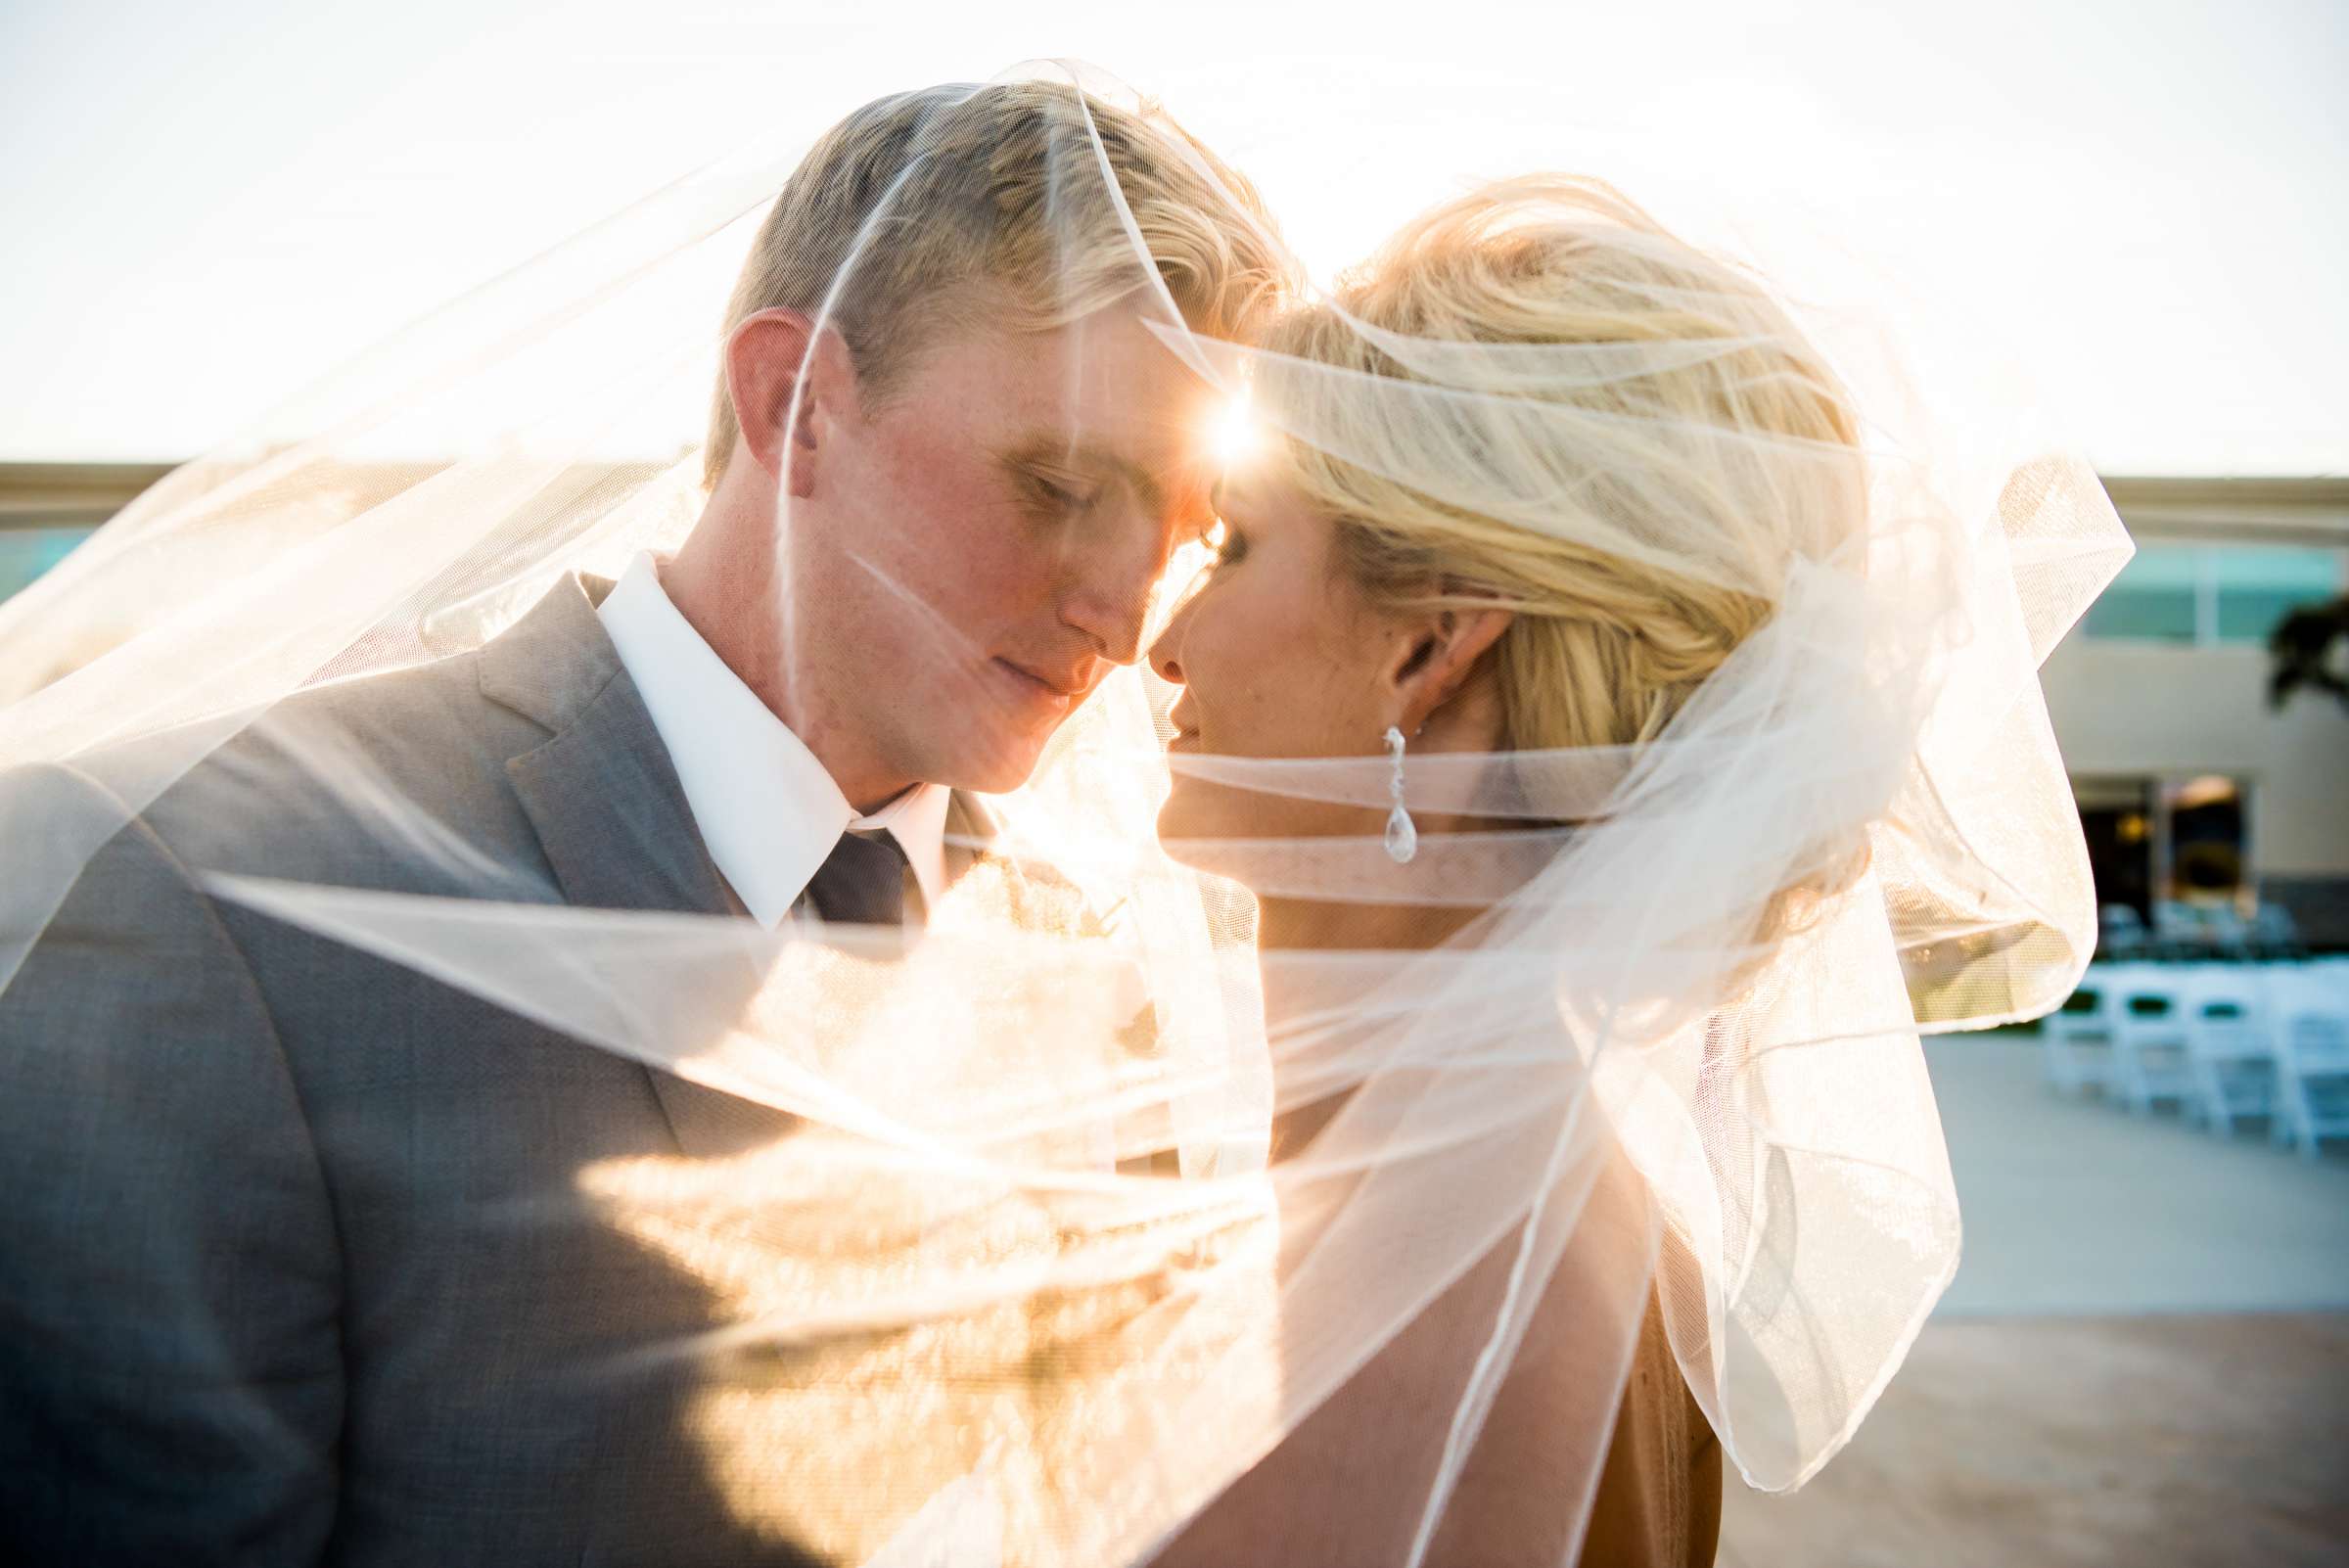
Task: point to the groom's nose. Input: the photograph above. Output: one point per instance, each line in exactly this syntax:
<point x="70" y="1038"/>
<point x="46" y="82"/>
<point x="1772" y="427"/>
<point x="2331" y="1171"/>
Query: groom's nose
<point x="1108" y="589"/>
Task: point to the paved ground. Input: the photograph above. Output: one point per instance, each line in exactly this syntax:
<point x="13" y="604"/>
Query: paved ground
<point x="2065" y="1443"/>
<point x="2077" y="1207"/>
<point x="2144" y="1359"/>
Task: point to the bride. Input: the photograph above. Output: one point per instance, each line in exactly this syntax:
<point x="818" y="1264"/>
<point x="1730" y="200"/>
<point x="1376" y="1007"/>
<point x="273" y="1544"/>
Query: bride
<point x="1343" y="606"/>
<point x="1381" y="587"/>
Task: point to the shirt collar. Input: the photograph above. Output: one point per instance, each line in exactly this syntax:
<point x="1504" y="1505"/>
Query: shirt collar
<point x="768" y="811"/>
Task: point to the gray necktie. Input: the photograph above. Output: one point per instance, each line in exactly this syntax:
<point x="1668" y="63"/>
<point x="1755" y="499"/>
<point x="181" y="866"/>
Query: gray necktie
<point x="862" y="882"/>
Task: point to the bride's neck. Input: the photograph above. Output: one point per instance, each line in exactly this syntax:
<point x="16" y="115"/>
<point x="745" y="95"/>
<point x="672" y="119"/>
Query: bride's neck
<point x="1291" y="926"/>
<point x="1294" y="926"/>
<point x="1311" y="926"/>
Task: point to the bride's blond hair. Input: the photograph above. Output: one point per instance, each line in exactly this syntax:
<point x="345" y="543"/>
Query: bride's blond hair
<point x="1605" y="645"/>
<point x="1688" y="444"/>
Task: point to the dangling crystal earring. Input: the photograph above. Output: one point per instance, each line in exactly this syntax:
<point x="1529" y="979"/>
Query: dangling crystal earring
<point x="1403" y="839"/>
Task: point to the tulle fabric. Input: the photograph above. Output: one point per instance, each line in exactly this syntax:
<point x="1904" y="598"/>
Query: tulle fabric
<point x="1026" y="1286"/>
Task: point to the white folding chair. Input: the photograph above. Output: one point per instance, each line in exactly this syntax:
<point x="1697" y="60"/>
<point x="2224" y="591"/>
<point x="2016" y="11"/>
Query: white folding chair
<point x="2120" y="931"/>
<point x="2153" y="1060"/>
<point x="2076" y="1040"/>
<point x="2225" y="928"/>
<point x="2273" y="926"/>
<point x="2310" y="1007"/>
<point x="2231" y="1047"/>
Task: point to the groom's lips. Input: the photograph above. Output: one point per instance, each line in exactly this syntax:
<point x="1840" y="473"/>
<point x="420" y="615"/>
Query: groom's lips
<point x="1029" y="688"/>
<point x="1072" y="684"/>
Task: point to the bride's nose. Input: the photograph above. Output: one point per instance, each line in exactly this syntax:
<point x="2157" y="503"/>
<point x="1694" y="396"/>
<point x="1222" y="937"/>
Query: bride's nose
<point x="1166" y="654"/>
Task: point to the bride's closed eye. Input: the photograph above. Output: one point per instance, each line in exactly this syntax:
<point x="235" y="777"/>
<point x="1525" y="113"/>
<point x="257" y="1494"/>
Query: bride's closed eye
<point x="1225" y="542"/>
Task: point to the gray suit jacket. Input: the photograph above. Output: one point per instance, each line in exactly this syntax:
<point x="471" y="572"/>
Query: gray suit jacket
<point x="292" y="1262"/>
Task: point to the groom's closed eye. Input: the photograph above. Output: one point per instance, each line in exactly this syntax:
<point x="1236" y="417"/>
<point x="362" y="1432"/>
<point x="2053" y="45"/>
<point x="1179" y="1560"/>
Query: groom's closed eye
<point x="1052" y="474"/>
<point x="1059" y="491"/>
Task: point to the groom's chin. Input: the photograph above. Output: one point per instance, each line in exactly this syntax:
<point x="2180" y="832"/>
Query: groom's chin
<point x="992" y="765"/>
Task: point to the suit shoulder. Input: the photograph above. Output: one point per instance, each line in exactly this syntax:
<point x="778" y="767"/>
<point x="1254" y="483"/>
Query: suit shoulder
<point x="366" y="782"/>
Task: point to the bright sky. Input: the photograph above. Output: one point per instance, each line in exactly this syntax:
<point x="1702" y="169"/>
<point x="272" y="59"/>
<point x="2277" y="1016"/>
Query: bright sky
<point x="210" y="205"/>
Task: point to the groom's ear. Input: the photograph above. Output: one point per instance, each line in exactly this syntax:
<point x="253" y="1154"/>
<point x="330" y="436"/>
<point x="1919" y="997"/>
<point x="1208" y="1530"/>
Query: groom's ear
<point x="775" y="375"/>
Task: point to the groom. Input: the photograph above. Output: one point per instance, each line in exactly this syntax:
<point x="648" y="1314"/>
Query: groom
<point x="293" y="1266"/>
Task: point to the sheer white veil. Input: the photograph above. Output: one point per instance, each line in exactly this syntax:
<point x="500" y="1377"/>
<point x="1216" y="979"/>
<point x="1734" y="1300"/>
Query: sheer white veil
<point x="1039" y="1293"/>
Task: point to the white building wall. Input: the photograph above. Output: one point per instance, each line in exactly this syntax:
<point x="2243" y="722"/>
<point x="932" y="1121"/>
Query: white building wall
<point x="2138" y="710"/>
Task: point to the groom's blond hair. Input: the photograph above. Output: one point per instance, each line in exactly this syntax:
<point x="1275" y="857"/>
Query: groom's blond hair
<point x="903" y="213"/>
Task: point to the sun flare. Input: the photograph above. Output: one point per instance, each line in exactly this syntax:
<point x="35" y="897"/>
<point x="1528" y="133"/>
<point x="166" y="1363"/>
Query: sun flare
<point x="1232" y="432"/>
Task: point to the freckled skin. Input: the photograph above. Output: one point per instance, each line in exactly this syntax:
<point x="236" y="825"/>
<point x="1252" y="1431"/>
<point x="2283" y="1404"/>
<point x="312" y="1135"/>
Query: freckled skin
<point x="881" y="567"/>
<point x="1016" y="498"/>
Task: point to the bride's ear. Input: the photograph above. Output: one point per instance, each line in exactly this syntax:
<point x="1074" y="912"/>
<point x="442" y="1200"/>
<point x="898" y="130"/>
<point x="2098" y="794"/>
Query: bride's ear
<point x="1436" y="656"/>
<point x="778" y="370"/>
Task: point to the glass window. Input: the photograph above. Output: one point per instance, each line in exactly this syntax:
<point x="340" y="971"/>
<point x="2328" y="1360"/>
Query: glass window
<point x="2206" y="593"/>
<point x="2257" y="587"/>
<point x="2207" y="837"/>
<point x="27" y="553"/>
<point x="2154" y="597"/>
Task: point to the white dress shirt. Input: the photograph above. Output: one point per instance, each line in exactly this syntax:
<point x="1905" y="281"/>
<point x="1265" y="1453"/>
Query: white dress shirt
<point x="766" y="808"/>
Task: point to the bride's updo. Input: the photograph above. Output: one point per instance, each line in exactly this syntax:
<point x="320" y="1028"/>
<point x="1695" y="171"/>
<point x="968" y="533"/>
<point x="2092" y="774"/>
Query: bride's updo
<point x="1688" y="446"/>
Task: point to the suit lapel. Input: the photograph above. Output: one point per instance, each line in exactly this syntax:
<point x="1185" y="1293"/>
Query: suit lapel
<point x="971" y="832"/>
<point x="611" y="815"/>
<point x="613" y="820"/>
